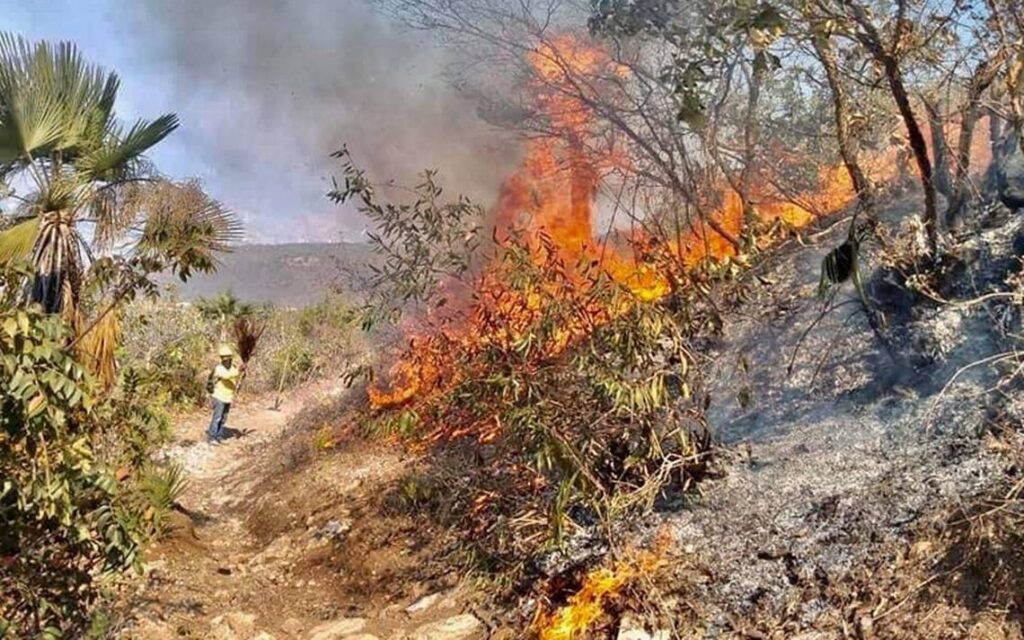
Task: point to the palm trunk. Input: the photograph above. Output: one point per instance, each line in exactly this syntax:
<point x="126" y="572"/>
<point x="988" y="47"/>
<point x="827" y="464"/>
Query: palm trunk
<point x="57" y="262"/>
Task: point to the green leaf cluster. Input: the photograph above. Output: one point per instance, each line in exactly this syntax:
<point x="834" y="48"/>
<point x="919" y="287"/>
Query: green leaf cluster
<point x="63" y="524"/>
<point x="422" y="244"/>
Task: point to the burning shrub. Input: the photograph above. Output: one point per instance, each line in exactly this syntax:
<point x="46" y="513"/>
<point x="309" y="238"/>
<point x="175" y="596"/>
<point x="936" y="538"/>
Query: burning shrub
<point x="585" y="375"/>
<point x="558" y="400"/>
<point x="571" y="435"/>
<point x="554" y="392"/>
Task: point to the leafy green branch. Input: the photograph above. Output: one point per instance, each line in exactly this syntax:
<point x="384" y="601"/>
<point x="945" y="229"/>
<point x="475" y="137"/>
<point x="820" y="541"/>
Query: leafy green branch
<point x="422" y="245"/>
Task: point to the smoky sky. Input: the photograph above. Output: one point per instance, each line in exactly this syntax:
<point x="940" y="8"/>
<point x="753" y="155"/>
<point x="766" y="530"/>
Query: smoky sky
<point x="267" y="89"/>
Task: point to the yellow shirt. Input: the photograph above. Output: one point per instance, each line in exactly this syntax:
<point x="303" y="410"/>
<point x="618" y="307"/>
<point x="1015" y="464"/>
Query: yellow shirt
<point x="226" y="381"/>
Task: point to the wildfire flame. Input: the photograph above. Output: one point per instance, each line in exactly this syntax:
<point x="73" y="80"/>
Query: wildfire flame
<point x="587" y="605"/>
<point x="553" y="194"/>
<point x="601" y="585"/>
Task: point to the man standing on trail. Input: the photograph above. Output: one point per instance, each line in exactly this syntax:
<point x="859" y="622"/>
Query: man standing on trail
<point x="224" y="379"/>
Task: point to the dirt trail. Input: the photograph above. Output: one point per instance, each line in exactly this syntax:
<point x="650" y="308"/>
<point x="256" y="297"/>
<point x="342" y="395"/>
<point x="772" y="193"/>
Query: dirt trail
<point x="255" y="549"/>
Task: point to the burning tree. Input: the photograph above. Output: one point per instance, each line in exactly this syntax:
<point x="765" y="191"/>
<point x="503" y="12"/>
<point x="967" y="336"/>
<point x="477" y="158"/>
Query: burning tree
<point x="680" y="98"/>
<point x="700" y="99"/>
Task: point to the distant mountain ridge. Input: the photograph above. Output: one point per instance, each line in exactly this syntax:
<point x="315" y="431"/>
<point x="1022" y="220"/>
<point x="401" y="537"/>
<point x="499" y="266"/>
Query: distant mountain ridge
<point x="294" y="274"/>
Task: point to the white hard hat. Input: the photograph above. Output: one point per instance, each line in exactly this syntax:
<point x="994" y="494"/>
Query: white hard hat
<point x="225" y="350"/>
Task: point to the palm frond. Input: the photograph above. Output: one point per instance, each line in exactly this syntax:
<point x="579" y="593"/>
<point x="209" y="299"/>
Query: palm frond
<point x="30" y="120"/>
<point x="114" y="211"/>
<point x="247" y="331"/>
<point x="119" y="149"/>
<point x="84" y="91"/>
<point x="224" y="305"/>
<point x="59" y="193"/>
<point x="50" y="98"/>
<point x="186" y="227"/>
<point x="17" y="242"/>
<point x="98" y="348"/>
<point x="15" y="52"/>
<point x="100" y="118"/>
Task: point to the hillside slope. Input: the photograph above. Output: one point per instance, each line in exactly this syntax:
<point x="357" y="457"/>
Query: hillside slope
<point x="833" y="519"/>
<point x="285" y="274"/>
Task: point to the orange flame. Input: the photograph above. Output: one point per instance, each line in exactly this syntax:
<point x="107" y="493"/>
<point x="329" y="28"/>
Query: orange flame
<point x="553" y="193"/>
<point x="586" y="606"/>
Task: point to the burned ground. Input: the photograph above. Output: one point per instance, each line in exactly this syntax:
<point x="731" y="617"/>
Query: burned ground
<point x="845" y="466"/>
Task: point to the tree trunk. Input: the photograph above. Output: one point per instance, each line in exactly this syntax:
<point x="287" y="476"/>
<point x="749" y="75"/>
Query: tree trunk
<point x="1011" y="48"/>
<point x="995" y="136"/>
<point x="1015" y="88"/>
<point x="940" y="149"/>
<point x="750" y="140"/>
<point x="982" y="79"/>
<point x="717" y="227"/>
<point x="848" y="147"/>
<point x="872" y="41"/>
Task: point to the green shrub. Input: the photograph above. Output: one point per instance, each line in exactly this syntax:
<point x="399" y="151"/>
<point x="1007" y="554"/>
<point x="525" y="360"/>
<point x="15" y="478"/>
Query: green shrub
<point x="65" y="527"/>
<point x="170" y="346"/>
<point x="135" y="421"/>
<point x="304" y="344"/>
<point x="155" y="490"/>
<point x="290" y="363"/>
<point x="179" y="371"/>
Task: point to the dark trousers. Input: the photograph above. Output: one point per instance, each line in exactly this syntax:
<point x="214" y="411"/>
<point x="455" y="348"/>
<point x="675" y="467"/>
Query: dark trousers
<point x="220" y="418"/>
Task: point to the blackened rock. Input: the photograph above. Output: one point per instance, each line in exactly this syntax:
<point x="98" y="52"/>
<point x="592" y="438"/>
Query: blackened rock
<point x="1011" y="181"/>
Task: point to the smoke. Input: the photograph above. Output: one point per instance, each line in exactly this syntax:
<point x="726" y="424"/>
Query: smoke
<point x="267" y="89"/>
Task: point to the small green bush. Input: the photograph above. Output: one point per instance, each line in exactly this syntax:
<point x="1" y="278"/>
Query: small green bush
<point x="155" y="491"/>
<point x="65" y="526"/>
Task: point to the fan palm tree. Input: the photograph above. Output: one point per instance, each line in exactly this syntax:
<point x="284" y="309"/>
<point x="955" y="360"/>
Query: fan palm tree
<point x="87" y="187"/>
<point x="223" y="307"/>
<point x="226" y="310"/>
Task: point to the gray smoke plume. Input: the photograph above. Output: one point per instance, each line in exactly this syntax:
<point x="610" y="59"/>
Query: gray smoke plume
<point x="267" y="89"/>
